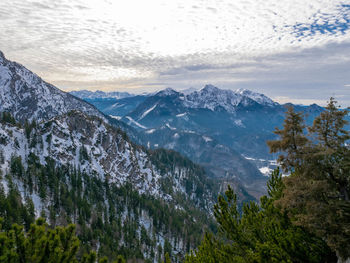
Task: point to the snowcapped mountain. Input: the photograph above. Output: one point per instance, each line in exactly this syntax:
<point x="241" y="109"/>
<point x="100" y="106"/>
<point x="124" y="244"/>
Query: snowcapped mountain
<point x="26" y="96"/>
<point x="171" y="102"/>
<point x="238" y="124"/>
<point x="167" y="92"/>
<point x="87" y="94"/>
<point x="213" y="98"/>
<point x="257" y="97"/>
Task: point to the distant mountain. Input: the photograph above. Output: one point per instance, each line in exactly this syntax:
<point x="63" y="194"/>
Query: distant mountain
<point x="235" y="122"/>
<point x="26" y="96"/>
<point x="117" y="108"/>
<point x="87" y="94"/>
<point x="242" y="120"/>
<point x="210" y="97"/>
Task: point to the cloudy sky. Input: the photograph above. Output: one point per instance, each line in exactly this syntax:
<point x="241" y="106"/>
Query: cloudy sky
<point x="291" y="50"/>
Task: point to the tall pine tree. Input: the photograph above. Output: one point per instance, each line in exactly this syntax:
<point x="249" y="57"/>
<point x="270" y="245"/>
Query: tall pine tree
<point x="316" y="195"/>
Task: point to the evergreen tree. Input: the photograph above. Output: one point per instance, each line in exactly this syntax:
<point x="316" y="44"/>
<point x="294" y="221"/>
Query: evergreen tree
<point x="292" y="141"/>
<point x="263" y="233"/>
<point x="39" y="244"/>
<point x="317" y="192"/>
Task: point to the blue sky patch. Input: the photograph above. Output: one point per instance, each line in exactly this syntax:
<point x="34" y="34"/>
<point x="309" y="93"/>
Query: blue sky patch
<point x="326" y="24"/>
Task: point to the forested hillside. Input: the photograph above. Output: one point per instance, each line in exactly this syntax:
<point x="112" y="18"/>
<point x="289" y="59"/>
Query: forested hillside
<point x="140" y="207"/>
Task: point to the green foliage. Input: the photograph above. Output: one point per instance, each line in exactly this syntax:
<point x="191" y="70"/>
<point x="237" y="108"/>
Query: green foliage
<point x="292" y="141"/>
<point x="120" y="259"/>
<point x="39" y="244"/>
<point x="12" y="208"/>
<point x="6" y="117"/>
<point x="263" y="233"/>
<point x="167" y="258"/>
<point x="317" y="193"/>
<point x="104" y="213"/>
<point x="28" y="127"/>
<point x="83" y="154"/>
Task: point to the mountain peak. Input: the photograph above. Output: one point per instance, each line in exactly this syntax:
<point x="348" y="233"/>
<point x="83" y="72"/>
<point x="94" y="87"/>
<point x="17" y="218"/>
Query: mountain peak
<point x="258" y="97"/>
<point x="2" y="56"/>
<point x="210" y="88"/>
<point x="243" y="91"/>
<point x="167" y="92"/>
<point x="26" y="96"/>
<point x="213" y="98"/>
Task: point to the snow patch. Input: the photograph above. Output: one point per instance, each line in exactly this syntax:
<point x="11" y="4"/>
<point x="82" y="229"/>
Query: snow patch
<point x="239" y="123"/>
<point x="266" y="171"/>
<point x="150" y="131"/>
<point x="171" y="128"/>
<point x="207" y="139"/>
<point x="115" y="117"/>
<point x="181" y="114"/>
<point x="147" y="111"/>
<point x="135" y="122"/>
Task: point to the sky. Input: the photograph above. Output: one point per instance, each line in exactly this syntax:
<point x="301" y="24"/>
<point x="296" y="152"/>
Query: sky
<point x="291" y="50"/>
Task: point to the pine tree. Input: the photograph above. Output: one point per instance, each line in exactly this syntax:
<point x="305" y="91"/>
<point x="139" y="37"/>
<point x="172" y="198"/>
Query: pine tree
<point x="263" y="233"/>
<point x="39" y="244"/>
<point x="292" y="141"/>
<point x="316" y="194"/>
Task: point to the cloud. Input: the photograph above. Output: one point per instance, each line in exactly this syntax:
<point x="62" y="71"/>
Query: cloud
<point x="281" y="48"/>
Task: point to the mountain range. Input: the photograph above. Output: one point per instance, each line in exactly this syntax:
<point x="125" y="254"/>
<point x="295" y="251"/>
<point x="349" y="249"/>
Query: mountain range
<point x="98" y="94"/>
<point x="146" y="169"/>
<point x="49" y="137"/>
<point x="225" y="131"/>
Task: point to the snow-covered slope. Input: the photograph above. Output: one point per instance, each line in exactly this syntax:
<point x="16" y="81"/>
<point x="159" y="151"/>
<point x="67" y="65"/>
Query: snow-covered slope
<point x="26" y="96"/>
<point x="257" y="97"/>
<point x="213" y="98"/>
<point x="210" y="97"/>
<point x="91" y="145"/>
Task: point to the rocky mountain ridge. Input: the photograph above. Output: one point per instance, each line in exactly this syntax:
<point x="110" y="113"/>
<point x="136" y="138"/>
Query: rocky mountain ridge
<point x="26" y="96"/>
<point x="98" y="94"/>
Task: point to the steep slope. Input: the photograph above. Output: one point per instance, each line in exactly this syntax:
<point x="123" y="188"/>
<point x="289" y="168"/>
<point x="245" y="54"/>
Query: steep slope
<point x="26" y="96"/>
<point x="159" y="191"/>
<point x="87" y="143"/>
<point x="219" y="161"/>
<point x="156" y="110"/>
